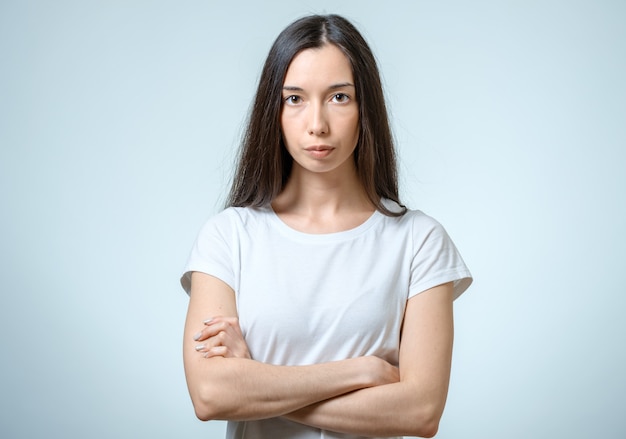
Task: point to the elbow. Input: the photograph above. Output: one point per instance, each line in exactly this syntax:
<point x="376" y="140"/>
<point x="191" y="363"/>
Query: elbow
<point x="213" y="391"/>
<point x="203" y="412"/>
<point x="425" y="429"/>
<point x="428" y="429"/>
<point x="203" y="399"/>
<point x="425" y="422"/>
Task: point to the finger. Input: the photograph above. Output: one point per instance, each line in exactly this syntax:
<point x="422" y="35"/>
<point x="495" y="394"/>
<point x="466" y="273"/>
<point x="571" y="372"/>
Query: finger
<point x="224" y="331"/>
<point x="231" y="321"/>
<point x="213" y="329"/>
<point x="221" y="339"/>
<point x="207" y="341"/>
<point x="217" y="351"/>
<point x="210" y="330"/>
<point x="200" y="336"/>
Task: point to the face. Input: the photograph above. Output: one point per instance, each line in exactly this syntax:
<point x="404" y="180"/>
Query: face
<point x="320" y="114"/>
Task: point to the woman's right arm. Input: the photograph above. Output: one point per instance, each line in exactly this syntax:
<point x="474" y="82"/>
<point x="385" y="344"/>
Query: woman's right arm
<point x="243" y="389"/>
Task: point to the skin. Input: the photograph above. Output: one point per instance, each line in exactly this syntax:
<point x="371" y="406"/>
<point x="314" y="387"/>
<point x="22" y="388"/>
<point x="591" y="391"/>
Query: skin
<point x="320" y="112"/>
<point x="364" y="396"/>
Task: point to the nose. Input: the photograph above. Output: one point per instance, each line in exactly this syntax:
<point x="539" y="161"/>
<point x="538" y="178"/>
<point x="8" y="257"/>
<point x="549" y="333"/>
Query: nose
<point x="318" y="120"/>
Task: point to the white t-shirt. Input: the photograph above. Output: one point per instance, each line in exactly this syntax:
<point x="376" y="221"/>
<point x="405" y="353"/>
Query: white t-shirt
<point x="312" y="298"/>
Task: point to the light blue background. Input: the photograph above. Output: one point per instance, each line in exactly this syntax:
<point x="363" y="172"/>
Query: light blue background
<point x="118" y="125"/>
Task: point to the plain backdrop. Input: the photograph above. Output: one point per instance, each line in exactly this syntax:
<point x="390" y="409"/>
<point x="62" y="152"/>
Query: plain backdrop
<point x="119" y="122"/>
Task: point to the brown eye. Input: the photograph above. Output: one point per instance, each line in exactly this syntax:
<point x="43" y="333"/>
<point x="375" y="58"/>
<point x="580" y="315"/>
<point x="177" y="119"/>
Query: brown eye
<point x="293" y="99"/>
<point x="341" y="98"/>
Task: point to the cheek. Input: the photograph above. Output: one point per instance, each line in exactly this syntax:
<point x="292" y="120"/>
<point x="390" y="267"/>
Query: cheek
<point x="285" y="130"/>
<point x="356" y="128"/>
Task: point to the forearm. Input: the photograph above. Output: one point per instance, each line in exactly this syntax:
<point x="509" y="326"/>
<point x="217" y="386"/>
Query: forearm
<point x="412" y="406"/>
<point x="396" y="409"/>
<point x="241" y="389"/>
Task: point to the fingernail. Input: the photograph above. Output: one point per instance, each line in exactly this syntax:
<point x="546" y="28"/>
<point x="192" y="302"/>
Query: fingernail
<point x="199" y="347"/>
<point x="207" y="321"/>
<point x="197" y="336"/>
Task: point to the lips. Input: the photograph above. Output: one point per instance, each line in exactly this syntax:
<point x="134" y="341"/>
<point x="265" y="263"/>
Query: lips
<point x="319" y="151"/>
<point x="318" y="148"/>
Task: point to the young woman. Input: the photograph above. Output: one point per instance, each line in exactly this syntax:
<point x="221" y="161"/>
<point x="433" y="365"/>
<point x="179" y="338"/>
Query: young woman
<point x="320" y="307"/>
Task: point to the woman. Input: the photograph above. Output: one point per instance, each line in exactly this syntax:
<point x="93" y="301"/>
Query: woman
<point x="320" y="307"/>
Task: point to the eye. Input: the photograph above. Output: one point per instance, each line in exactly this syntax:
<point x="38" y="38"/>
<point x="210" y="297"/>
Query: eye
<point x="341" y="98"/>
<point x="293" y="99"/>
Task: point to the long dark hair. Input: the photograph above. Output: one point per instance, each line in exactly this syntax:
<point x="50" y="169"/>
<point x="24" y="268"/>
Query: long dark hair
<point x="264" y="164"/>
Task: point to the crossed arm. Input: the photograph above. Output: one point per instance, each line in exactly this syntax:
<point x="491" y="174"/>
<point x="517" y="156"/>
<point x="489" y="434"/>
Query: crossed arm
<point x="364" y="396"/>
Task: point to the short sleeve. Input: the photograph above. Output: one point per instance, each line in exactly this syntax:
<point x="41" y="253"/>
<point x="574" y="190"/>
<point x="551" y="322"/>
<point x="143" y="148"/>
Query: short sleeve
<point x="436" y="259"/>
<point x="212" y="252"/>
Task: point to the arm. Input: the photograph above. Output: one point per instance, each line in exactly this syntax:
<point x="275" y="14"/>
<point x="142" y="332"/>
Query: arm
<point x="240" y="388"/>
<point x="414" y="405"/>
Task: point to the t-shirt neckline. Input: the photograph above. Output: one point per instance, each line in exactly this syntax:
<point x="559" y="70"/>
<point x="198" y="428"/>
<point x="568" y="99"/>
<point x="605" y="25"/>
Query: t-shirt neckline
<point x="343" y="235"/>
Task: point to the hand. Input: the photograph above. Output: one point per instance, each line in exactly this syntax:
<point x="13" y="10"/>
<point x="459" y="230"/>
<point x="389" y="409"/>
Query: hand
<point x="381" y="372"/>
<point x="222" y="337"/>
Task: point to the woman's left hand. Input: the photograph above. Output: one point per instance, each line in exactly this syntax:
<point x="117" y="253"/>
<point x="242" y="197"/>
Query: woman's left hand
<point x="222" y="337"/>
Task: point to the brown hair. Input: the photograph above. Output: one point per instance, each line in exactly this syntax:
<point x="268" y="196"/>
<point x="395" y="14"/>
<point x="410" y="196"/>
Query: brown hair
<point x="264" y="164"/>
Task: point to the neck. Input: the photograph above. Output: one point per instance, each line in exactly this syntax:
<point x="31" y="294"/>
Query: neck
<point x="310" y="193"/>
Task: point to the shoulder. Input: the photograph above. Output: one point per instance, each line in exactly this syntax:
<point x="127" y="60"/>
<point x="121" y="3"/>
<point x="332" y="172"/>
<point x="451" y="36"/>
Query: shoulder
<point x="415" y="221"/>
<point x="435" y="258"/>
<point x="234" y="218"/>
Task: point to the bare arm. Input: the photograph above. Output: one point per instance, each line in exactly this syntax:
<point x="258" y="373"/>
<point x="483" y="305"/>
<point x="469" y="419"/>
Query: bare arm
<point x="240" y="388"/>
<point x="414" y="405"/>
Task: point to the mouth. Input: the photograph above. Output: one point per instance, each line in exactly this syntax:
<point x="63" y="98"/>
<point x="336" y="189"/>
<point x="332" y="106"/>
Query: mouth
<point x="318" y="148"/>
<point x="319" y="151"/>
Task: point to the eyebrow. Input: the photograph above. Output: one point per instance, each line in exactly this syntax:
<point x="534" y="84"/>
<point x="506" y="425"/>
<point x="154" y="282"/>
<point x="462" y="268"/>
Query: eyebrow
<point x="332" y="87"/>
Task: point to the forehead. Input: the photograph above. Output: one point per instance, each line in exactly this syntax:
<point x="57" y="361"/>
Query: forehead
<point x="326" y="64"/>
